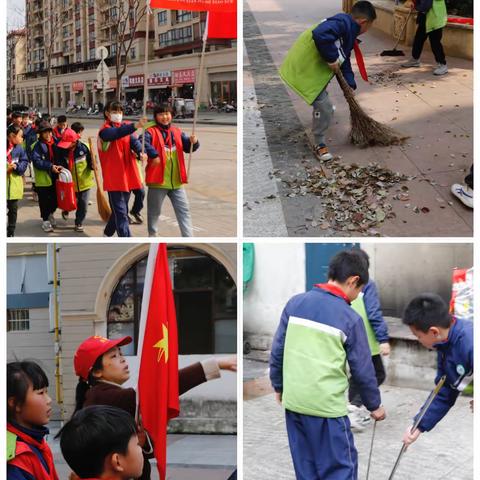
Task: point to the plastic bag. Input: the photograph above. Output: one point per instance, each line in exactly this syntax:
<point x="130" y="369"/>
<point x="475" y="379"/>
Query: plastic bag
<point x="66" y="198"/>
<point x="461" y="303"/>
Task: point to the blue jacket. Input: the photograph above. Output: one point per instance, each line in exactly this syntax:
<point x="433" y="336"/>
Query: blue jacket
<point x="152" y="153"/>
<point x="19" y="157"/>
<point x="40" y="156"/>
<point x="338" y="33"/>
<point x="332" y="311"/>
<point x="374" y="312"/>
<point x="455" y="360"/>
<point x="114" y="133"/>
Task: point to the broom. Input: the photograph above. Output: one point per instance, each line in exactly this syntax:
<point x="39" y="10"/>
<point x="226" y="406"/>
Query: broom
<point x="365" y="131"/>
<point x="103" y="206"/>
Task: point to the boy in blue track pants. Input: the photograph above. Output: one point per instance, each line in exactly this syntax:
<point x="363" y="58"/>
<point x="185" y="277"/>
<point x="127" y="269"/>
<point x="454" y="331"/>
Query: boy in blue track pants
<point x="429" y="320"/>
<point x="318" y="333"/>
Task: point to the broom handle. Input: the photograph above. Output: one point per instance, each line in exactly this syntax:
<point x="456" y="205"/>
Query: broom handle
<point x="94" y="163"/>
<point x="403" y="29"/>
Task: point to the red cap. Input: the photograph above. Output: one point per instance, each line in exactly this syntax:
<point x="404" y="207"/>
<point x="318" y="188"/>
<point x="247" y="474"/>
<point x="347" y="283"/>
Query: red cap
<point x="90" y="349"/>
<point x="68" y="137"/>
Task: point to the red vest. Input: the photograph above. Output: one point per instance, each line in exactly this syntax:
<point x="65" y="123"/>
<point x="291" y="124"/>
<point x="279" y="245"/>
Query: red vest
<point x="27" y="459"/>
<point x="154" y="173"/>
<point x="119" y="165"/>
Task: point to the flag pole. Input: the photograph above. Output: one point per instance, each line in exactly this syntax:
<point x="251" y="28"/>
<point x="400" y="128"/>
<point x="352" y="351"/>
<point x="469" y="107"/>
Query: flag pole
<point x="145" y="70"/>
<point x="198" y="91"/>
<point x="147" y="288"/>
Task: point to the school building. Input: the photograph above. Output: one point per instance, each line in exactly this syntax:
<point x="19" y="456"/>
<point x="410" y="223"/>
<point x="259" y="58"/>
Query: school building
<point x="68" y="34"/>
<point x="100" y="293"/>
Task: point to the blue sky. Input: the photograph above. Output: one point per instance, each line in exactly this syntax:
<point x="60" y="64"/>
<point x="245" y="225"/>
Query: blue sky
<point x="15" y="14"/>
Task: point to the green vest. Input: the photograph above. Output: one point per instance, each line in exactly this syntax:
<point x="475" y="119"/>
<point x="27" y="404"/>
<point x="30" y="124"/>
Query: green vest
<point x="436" y="16"/>
<point x="171" y="176"/>
<point x="42" y="177"/>
<point x="304" y="70"/>
<point x="82" y="174"/>
<point x="359" y="306"/>
<point x="314" y="369"/>
<point x="11" y="445"/>
<point x="14" y="186"/>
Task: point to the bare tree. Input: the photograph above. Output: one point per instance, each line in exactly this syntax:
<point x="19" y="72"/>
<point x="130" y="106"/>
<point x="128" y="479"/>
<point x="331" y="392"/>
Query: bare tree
<point x="131" y="14"/>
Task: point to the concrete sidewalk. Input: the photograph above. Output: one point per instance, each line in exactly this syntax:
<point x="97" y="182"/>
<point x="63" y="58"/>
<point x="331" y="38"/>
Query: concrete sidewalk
<point x="436" y="112"/>
<point x="189" y="457"/>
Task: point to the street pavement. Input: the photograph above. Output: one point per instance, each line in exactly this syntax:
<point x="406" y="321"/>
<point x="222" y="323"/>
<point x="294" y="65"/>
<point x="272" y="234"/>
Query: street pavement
<point x="211" y="192"/>
<point x="436" y="112"/>
<point x="444" y="453"/>
<point x="189" y="457"/>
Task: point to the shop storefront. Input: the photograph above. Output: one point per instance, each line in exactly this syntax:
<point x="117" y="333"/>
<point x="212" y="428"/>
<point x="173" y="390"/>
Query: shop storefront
<point x="134" y="89"/>
<point x="78" y="92"/>
<point x="183" y="82"/>
<point x="223" y="87"/>
<point x="160" y="86"/>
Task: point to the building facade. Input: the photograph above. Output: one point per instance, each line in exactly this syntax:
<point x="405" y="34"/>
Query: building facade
<point x="67" y="33"/>
<point x="16" y="62"/>
<point x="100" y="293"/>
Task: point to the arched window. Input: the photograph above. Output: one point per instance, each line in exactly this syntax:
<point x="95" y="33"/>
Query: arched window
<point x="205" y="300"/>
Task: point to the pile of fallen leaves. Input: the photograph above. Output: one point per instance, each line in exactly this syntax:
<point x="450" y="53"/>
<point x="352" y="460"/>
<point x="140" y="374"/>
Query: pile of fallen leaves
<point x="354" y="198"/>
<point x="385" y="78"/>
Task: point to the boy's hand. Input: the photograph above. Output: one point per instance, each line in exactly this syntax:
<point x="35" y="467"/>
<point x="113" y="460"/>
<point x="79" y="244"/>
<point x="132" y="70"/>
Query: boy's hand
<point x="409" y="437"/>
<point x="56" y="168"/>
<point x="229" y="363"/>
<point x="143" y="158"/>
<point x="278" y="397"/>
<point x="378" y="414"/>
<point x="335" y="66"/>
<point x="409" y="4"/>
<point x="193" y="139"/>
<point x="141" y="123"/>
<point x="155" y="161"/>
<point x="385" y="349"/>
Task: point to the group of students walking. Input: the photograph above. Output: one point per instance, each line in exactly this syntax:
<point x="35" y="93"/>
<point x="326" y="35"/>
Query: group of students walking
<point x="128" y="163"/>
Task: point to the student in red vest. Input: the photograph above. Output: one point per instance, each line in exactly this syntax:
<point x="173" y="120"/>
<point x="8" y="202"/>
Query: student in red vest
<point x="166" y="172"/>
<point x="118" y="150"/>
<point x="28" y="411"/>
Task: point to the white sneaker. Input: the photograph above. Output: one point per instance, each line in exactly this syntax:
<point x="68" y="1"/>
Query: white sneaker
<point x="358" y="418"/>
<point x="47" y="226"/>
<point x="52" y="220"/>
<point x="322" y="153"/>
<point x="441" y="69"/>
<point x="463" y="193"/>
<point x="411" y="63"/>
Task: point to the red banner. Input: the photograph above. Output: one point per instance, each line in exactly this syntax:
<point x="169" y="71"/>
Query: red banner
<point x="201" y="5"/>
<point x="181" y="77"/>
<point x="222" y="25"/>
<point x="136" y="80"/>
<point x="160" y="79"/>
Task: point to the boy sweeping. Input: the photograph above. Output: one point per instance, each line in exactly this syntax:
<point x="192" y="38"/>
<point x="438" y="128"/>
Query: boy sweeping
<point x="429" y="320"/>
<point x="318" y="333"/>
<point x="316" y="56"/>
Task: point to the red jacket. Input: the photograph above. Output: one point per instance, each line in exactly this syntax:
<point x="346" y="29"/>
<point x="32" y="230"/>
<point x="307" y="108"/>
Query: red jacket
<point x="154" y="173"/>
<point x="119" y="165"/>
<point x="26" y="459"/>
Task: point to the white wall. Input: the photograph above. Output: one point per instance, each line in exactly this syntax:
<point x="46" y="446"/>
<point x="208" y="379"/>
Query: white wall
<point x="279" y="273"/>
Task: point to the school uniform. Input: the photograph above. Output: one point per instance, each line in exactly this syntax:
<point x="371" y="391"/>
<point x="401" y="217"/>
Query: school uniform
<point x="43" y="159"/>
<point x="15" y="155"/>
<point x="120" y="173"/>
<point x="455" y="360"/>
<point x="28" y="455"/>
<point x="318" y="333"/>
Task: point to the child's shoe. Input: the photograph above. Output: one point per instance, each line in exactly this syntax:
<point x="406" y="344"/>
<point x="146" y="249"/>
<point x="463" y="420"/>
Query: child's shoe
<point x="52" y="220"/>
<point x="47" y="226"/>
<point x="441" y="69"/>
<point x="138" y="218"/>
<point x="322" y="153"/>
<point x="463" y="193"/>
<point x="65" y="215"/>
<point x="358" y="419"/>
<point x="411" y="63"/>
<point x="79" y="228"/>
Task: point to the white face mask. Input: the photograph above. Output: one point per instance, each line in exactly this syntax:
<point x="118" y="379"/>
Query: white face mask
<point x="116" y="117"/>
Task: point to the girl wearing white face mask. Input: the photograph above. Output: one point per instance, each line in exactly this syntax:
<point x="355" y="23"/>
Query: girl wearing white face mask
<point x="118" y="150"/>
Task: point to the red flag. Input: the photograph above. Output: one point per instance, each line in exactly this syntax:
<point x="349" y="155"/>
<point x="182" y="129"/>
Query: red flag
<point x="222" y="25"/>
<point x="158" y="376"/>
<point x="201" y="5"/>
<point x="360" y="61"/>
